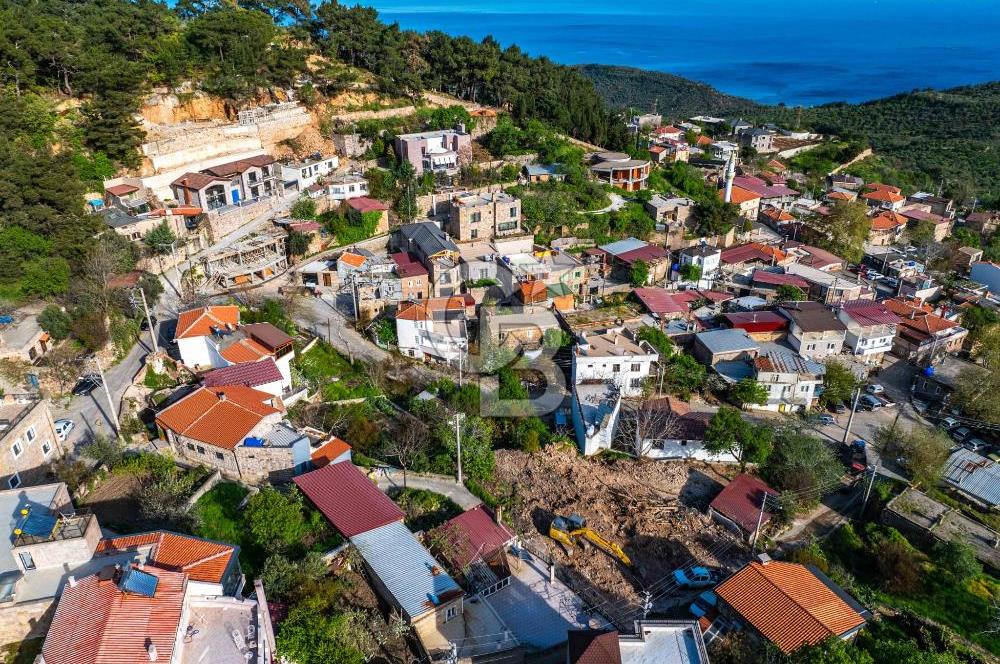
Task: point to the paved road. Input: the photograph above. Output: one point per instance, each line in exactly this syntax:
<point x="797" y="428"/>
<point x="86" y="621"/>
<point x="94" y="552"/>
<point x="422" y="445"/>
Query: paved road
<point x="388" y="478"/>
<point x="617" y="203"/>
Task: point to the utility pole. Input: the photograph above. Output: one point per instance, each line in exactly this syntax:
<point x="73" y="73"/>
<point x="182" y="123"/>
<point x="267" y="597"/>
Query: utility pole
<point x="107" y="393"/>
<point x="459" y="417"/>
<point x="329" y="330"/>
<point x="149" y="320"/>
<point x="871" y="481"/>
<point x="760" y="520"/>
<point x="850" y="420"/>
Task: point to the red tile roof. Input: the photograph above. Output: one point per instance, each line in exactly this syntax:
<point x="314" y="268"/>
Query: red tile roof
<point x="917" y="318"/>
<point x="96" y="623"/>
<point x="199" y="322"/>
<point x="757" y="321"/>
<point x="739" y="195"/>
<point x="470" y="536"/>
<point x="365" y="204"/>
<point x="593" y="646"/>
<point x="883" y="195"/>
<point x="408" y="265"/>
<point x="867" y="313"/>
<point x="818" y="258"/>
<point x="250" y="374"/>
<point x="761" y="188"/>
<point x="878" y="186"/>
<point x="840" y="196"/>
<point x="788" y="604"/>
<point x="741" y="499"/>
<point x="888" y="221"/>
<point x="755" y="251"/>
<point x="650" y="252"/>
<point x="121" y="189"/>
<point x="423" y="309"/>
<point x="202" y="559"/>
<point x="221" y="416"/>
<point x="659" y="301"/>
<point x="348" y="499"/>
<point x="778" y="279"/>
<point x="329" y="452"/>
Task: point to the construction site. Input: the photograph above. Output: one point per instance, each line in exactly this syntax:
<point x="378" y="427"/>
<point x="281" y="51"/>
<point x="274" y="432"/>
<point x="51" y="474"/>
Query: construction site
<point x="246" y="263"/>
<point x="618" y="528"/>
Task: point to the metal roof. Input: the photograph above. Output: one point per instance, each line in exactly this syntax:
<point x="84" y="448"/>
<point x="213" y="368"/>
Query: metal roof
<point x="622" y="246"/>
<point x="348" y="499"/>
<point x="426" y="237"/>
<point x="784" y="360"/>
<point x="726" y="341"/>
<point x="975" y="475"/>
<point x="416" y="581"/>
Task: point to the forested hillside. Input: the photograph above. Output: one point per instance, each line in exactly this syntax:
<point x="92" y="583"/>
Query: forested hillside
<point x="950" y="137"/>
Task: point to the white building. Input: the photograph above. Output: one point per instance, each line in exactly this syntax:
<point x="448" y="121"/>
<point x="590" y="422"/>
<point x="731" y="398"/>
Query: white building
<point x="790" y="380"/>
<point x="303" y="174"/>
<point x="871" y="328"/>
<point x="595" y="408"/>
<point x="433" y="328"/>
<point x="705" y="257"/>
<point x="344" y="187"/>
<point x="614" y="357"/>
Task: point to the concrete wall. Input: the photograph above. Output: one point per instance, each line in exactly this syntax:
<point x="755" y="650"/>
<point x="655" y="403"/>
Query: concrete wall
<point x="425" y="203"/>
<point x="25" y="620"/>
<point x="233" y="219"/>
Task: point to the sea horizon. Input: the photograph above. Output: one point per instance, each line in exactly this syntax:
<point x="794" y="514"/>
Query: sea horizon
<point x="814" y="53"/>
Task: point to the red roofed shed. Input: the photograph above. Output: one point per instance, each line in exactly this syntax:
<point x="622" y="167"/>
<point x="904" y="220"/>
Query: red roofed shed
<point x="739" y="504"/>
<point x="348" y="499"/>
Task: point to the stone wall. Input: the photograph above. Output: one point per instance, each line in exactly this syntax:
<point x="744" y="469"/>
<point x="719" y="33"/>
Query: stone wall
<point x="26" y="620"/>
<point x="265" y="464"/>
<point x="234" y="218"/>
<point x="425" y="203"/>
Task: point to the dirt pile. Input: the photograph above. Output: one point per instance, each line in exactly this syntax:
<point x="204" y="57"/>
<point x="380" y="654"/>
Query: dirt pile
<point x="656" y="511"/>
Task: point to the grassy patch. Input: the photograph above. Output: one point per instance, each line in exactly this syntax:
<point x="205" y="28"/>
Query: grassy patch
<point x="330" y="372"/>
<point x="424" y="509"/>
<point x="23" y="652"/>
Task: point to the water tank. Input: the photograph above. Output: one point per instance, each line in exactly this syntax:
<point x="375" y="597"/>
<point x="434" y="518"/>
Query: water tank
<point x="929" y="372"/>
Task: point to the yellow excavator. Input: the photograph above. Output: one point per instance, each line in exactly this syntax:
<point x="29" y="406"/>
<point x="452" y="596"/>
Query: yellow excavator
<point x="568" y="530"/>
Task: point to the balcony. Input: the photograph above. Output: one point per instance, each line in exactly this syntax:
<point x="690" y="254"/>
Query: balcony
<point x="42" y="528"/>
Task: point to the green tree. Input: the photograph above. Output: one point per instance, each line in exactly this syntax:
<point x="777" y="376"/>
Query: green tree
<point x="749" y="391"/>
<point x="839" y="384"/>
<point x="963" y="237"/>
<point x="275" y="519"/>
<point x="658" y="340"/>
<point x="304" y="208"/>
<point x="977" y="386"/>
<point x="957" y="560"/>
<point x="847" y="225"/>
<point x="729" y="433"/>
<point x="478" y="460"/>
<point x="639" y="273"/>
<point x="789" y="293"/>
<point x="714" y="216"/>
<point x="899" y="563"/>
<point x="980" y="322"/>
<point x="831" y="651"/>
<point x="55" y="321"/>
<point x="43" y="278"/>
<point x="803" y="464"/>
<point x="691" y="272"/>
<point x="682" y="375"/>
<point x="298" y="243"/>
<point x="159" y="239"/>
<point x="920" y="234"/>
<point x="924" y="448"/>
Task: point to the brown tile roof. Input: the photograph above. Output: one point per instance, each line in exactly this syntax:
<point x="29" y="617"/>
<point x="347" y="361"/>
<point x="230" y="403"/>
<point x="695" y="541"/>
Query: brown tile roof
<point x="219" y="416"/>
<point x="240" y="165"/>
<point x="199" y="322"/>
<point x="96" y="623"/>
<point x="593" y="646"/>
<point x="121" y="189"/>
<point x="196" y="181"/>
<point x="251" y="374"/>
<point x="888" y="221"/>
<point x="203" y="560"/>
<point x="839" y="196"/>
<point x="268" y="335"/>
<point x="423" y="309"/>
<point x="245" y="350"/>
<point x="788" y="604"/>
<point x="365" y="204"/>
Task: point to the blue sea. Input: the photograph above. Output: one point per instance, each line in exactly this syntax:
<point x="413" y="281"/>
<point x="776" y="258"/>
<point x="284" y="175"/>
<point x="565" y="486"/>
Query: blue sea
<point x="793" y="51"/>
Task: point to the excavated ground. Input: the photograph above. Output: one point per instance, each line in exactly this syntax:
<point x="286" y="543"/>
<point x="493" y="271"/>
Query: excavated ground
<point x="656" y="511"/>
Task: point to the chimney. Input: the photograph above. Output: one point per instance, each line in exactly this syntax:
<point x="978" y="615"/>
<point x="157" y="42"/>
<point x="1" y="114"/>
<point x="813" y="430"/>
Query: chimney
<point x="187" y="192"/>
<point x="151" y="652"/>
<point x="763" y="558"/>
<point x="72" y="581"/>
<point x="499" y="514"/>
<point x="222" y="396"/>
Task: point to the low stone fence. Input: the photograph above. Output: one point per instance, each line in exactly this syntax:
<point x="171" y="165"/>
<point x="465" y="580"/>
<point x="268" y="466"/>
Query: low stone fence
<point x="205" y="487"/>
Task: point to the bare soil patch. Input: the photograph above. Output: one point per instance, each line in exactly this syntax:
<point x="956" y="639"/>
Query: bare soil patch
<point x="656" y="511"/>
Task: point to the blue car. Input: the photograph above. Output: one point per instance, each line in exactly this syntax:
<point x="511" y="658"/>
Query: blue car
<point x="696" y="577"/>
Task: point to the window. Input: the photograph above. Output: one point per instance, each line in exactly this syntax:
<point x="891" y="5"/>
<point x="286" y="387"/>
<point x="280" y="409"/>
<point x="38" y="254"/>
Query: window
<point x="474" y="234"/>
<point x="16" y="448"/>
<point x="636" y="382"/>
<point x="513" y="212"/>
<point x="616" y="368"/>
<point x="27" y="562"/>
<point x="220" y="456"/>
<point x="450" y="612"/>
<point x="30" y="433"/>
<point x="201" y="450"/>
<point x="190" y="447"/>
<point x="46" y="448"/>
<point x="14" y="481"/>
<point x="475" y="217"/>
<point x="636" y="368"/>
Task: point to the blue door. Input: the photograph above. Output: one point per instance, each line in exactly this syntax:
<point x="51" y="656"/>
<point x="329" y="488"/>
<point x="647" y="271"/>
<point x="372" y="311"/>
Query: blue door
<point x="236" y="196"/>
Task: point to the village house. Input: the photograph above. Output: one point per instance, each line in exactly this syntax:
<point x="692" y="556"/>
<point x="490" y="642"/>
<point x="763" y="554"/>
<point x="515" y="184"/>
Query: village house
<point x="672" y="212"/>
<point x="791" y="381"/>
<point x="525" y="327"/>
<point x="918" y="286"/>
<point x="474" y="545"/>
<point x="442" y="151"/>
<point x="228" y="184"/>
<point x="651" y="642"/>
<point x="883" y="197"/>
<point x="759" y="325"/>
<point x="814" y="330"/>
<point x="740" y="506"/>
<point x="361" y="206"/>
<point x="723" y="345"/>
<point x="920" y="214"/>
<point x="536" y="173"/>
<point x="966" y="257"/>
<point x="747" y="201"/>
<point x="706" y="258"/>
<point x="620" y="170"/>
<point x="766" y="282"/>
<point x="237" y="430"/>
<point x="939" y="205"/>
<point x="22" y="339"/>
<point x="974" y="477"/>
<point x="300" y="175"/>
<point x="435" y="328"/>
<point x="887" y="228"/>
<point x="595" y="408"/>
<point x="340" y="187"/>
<point x="674" y="431"/>
<point x="212" y="337"/>
<point x="617" y="259"/>
<point x="935" y="383"/>
<point x="921" y="335"/>
<point x="483" y="216"/>
<point x="745" y="258"/>
<point x="775" y="195"/>
<point x="760" y="140"/>
<point x="666" y="305"/>
<point x="615" y="357"/>
<point x="435" y="250"/>
<point x="28" y="438"/>
<point x="984" y="222"/>
<point x="788" y="604"/>
<point x="831" y="287"/>
<point x="871" y="329"/>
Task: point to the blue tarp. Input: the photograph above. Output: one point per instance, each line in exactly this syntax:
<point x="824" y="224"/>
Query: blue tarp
<point x="253" y="442"/>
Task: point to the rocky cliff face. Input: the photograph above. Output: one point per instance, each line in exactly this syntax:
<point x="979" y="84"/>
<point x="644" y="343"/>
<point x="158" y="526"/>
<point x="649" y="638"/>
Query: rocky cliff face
<point x="168" y="108"/>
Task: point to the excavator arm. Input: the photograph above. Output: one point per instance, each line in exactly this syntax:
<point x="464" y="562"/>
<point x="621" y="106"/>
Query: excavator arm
<point x="605" y="545"/>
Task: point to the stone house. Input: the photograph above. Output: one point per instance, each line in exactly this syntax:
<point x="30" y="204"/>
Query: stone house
<point x="27" y="439"/>
<point x="229" y="184"/>
<point x="435" y="250"/>
<point x="22" y="338"/>
<point x="442" y="151"/>
<point x="814" y="331"/>
<point x="483" y="216"/>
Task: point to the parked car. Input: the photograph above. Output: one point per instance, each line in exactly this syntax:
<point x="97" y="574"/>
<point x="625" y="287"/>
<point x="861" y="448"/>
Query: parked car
<point x="874" y="388"/>
<point x="63" y="427"/>
<point x="868" y="402"/>
<point x="977" y="445"/>
<point x="948" y="423"/>
<point x="696" y="577"/>
<point x="960" y="434"/>
<point x="827" y="419"/>
<point x="891" y="282"/>
<point x="87" y="384"/>
<point x="144" y="325"/>
<point x="841" y="408"/>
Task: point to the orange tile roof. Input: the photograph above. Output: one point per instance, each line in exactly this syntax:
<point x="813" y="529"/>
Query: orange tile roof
<point x="203" y="560"/>
<point x="840" y="196"/>
<point x="884" y="195"/>
<point x="328" y="451"/>
<point x="199" y="322"/>
<point x="96" y="623"/>
<point x="888" y="221"/>
<point x="788" y="604"/>
<point x="777" y="214"/>
<point x="354" y="260"/>
<point x="878" y="186"/>
<point x="777" y="165"/>
<point x="422" y="309"/>
<point x="703" y="140"/>
<point x="219" y="416"/>
<point x="534" y="291"/>
<point x="740" y="195"/>
<point x="245" y="350"/>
